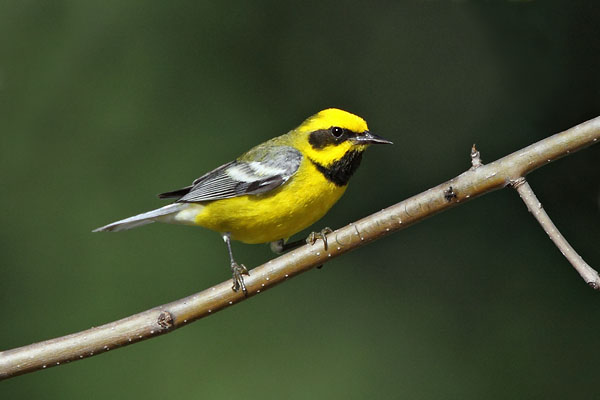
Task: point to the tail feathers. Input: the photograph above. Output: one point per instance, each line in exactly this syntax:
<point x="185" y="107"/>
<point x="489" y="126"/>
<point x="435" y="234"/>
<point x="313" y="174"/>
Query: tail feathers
<point x="141" y="219"/>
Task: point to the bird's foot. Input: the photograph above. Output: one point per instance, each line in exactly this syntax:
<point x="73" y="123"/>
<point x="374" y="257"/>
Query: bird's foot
<point x="238" y="271"/>
<point x="314" y="236"/>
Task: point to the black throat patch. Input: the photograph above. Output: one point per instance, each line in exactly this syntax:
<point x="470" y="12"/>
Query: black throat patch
<point x="340" y="171"/>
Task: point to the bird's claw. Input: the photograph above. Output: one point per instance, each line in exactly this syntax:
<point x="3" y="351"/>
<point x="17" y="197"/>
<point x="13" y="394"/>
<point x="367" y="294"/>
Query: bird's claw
<point x="238" y="271"/>
<point x="314" y="236"/>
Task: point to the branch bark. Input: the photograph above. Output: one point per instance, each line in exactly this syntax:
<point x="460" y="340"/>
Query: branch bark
<point x="476" y="181"/>
<point x="589" y="274"/>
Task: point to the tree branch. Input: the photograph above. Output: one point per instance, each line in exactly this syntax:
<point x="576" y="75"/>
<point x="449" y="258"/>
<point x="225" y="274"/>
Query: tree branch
<point x="478" y="180"/>
<point x="589" y="274"/>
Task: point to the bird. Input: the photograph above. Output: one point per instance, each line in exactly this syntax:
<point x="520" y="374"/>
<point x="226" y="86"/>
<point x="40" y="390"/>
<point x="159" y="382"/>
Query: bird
<point x="272" y="191"/>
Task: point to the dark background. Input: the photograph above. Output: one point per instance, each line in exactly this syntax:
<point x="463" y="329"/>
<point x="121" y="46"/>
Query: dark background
<point x="105" y="104"/>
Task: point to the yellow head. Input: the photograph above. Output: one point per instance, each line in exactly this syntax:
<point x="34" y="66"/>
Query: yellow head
<point x="334" y="117"/>
<point x="334" y="136"/>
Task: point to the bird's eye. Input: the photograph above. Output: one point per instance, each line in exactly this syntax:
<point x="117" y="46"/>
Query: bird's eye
<point x="337" y="131"/>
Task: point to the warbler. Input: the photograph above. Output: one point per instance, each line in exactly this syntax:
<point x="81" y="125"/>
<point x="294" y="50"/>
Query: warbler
<point x="274" y="190"/>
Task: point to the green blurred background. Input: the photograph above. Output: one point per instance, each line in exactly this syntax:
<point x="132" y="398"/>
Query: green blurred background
<point x="105" y="104"/>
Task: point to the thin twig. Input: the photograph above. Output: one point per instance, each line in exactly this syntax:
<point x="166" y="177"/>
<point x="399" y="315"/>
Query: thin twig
<point x="168" y="317"/>
<point x="589" y="274"/>
<point x="476" y="161"/>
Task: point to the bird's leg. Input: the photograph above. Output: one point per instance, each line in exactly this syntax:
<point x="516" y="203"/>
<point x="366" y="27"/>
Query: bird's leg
<point x="280" y="246"/>
<point x="237" y="270"/>
<point x="314" y="236"/>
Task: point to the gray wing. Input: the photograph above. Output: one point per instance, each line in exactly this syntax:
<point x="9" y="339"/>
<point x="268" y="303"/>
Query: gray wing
<point x="260" y="170"/>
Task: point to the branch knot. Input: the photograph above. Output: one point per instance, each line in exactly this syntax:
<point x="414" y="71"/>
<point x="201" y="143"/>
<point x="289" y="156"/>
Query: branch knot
<point x="515" y="183"/>
<point x="165" y="320"/>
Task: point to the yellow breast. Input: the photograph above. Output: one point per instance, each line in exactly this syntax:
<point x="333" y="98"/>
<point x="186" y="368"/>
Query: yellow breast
<point x="275" y="215"/>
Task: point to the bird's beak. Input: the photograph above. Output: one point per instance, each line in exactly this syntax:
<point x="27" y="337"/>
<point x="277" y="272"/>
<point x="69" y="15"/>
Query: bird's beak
<point x="369" y="138"/>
